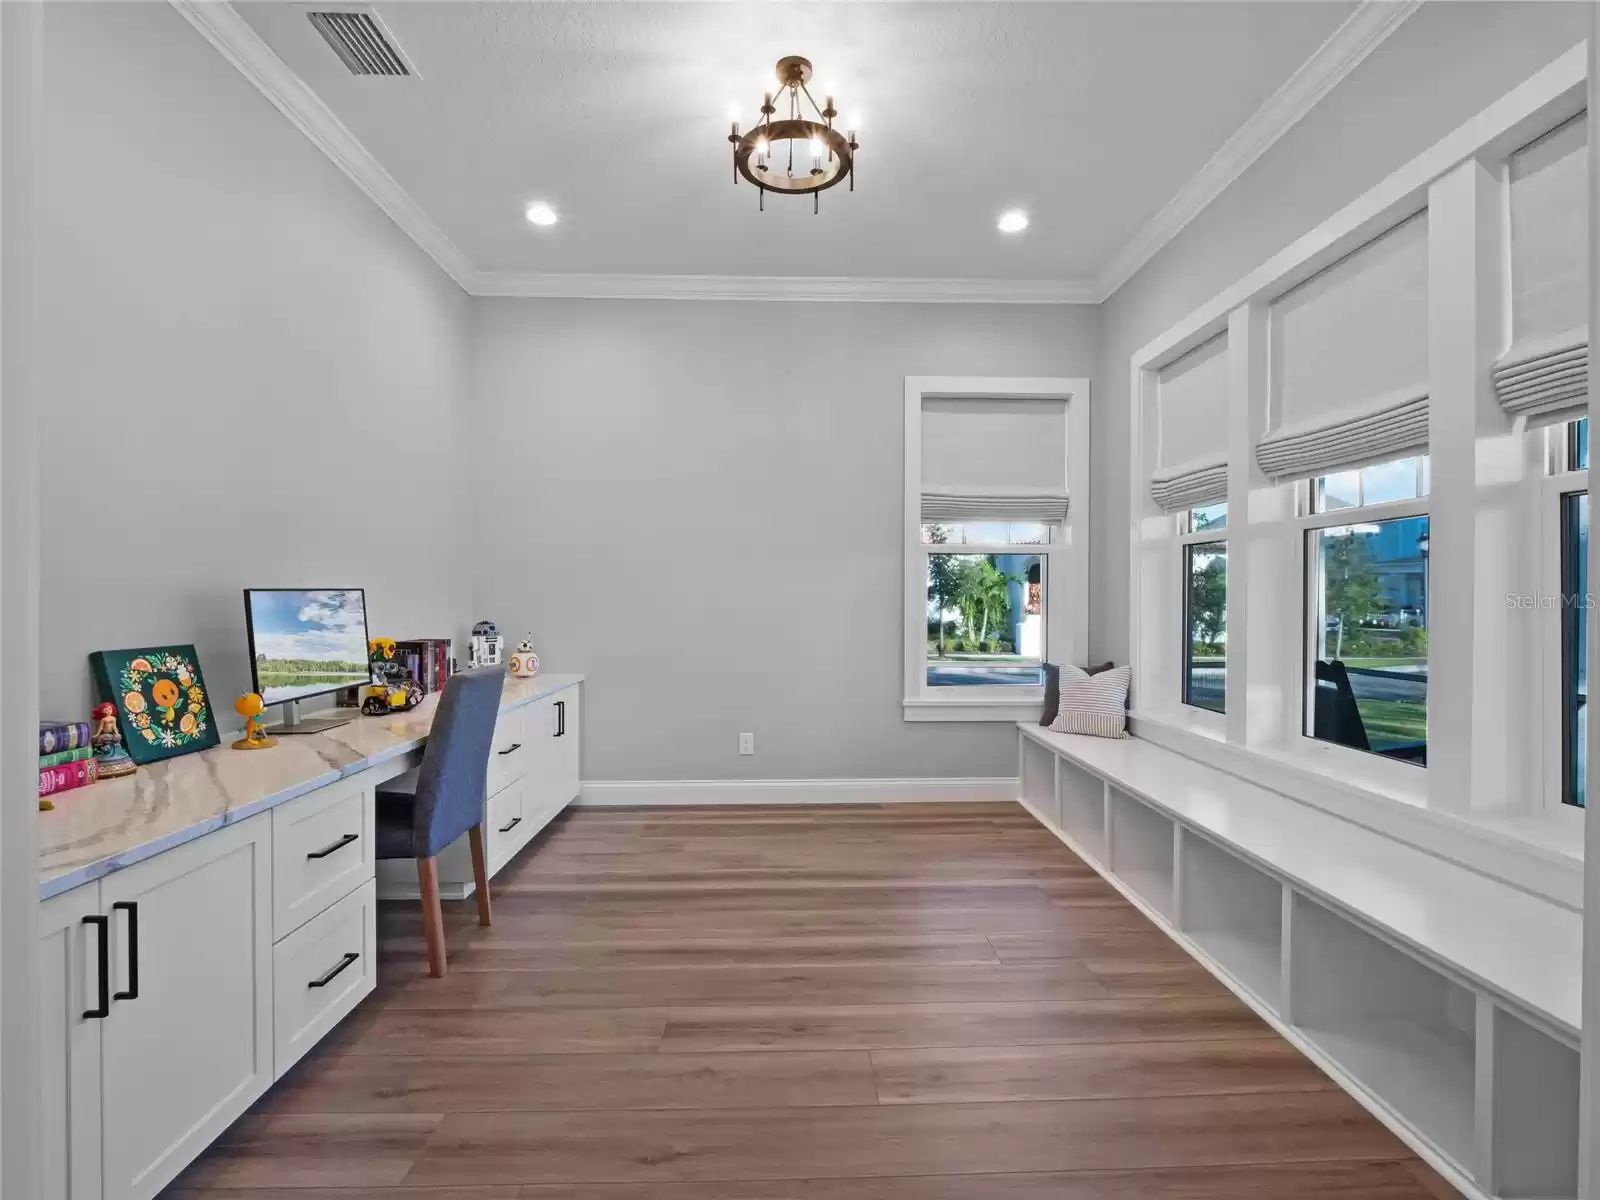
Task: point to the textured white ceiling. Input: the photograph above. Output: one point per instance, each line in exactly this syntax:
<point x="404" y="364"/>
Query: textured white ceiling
<point x="1089" y="115"/>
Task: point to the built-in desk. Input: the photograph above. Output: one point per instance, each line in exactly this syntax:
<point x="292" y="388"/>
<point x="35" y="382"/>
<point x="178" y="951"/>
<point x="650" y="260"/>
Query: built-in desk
<point x="209" y="919"/>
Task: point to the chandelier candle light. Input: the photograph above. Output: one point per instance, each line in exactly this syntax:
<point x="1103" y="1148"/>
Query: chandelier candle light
<point x="824" y="156"/>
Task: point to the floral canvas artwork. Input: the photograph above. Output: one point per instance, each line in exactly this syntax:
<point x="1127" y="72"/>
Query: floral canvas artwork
<point x="162" y="705"/>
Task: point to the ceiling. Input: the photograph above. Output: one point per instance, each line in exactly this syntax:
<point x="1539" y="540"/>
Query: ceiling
<point x="1091" y="116"/>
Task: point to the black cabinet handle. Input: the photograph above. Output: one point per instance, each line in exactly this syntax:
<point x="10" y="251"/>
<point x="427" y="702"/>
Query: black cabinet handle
<point x="514" y="747"/>
<point x="132" y="909"/>
<point x="515" y="821"/>
<point x="335" y="971"/>
<point x="332" y="846"/>
<point x="561" y="718"/>
<point x="103" y="1009"/>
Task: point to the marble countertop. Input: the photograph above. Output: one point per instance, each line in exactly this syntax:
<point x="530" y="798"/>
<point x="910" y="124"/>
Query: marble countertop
<point x="118" y="822"/>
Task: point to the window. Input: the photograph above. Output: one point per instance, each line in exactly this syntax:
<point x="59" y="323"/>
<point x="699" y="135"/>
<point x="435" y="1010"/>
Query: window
<point x="1367" y="675"/>
<point x="1574" y="645"/>
<point x="1205" y="619"/>
<point x="994" y="543"/>
<point x="986" y="622"/>
<point x="1575" y="603"/>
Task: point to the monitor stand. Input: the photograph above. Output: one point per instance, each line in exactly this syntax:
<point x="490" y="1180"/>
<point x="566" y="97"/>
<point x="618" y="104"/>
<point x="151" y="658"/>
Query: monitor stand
<point x="293" y="722"/>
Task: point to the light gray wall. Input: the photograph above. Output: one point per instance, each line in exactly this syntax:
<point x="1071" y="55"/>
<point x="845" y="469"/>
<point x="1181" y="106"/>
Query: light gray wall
<point x="1445" y="64"/>
<point x="699" y="505"/>
<point x="252" y="378"/>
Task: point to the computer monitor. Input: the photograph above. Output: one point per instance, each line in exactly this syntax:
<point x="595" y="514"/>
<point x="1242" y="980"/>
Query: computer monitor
<point x="306" y="643"/>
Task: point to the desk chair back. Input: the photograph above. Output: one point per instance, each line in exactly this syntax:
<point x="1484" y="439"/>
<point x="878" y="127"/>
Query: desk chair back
<point x="455" y="764"/>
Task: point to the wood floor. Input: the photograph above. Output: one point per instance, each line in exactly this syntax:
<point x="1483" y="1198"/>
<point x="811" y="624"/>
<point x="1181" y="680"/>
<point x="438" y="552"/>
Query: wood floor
<point x="903" y="1002"/>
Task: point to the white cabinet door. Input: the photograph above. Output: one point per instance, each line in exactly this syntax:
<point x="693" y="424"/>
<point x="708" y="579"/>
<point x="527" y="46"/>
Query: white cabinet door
<point x="71" y="941"/>
<point x="562" y="768"/>
<point x="188" y="1045"/>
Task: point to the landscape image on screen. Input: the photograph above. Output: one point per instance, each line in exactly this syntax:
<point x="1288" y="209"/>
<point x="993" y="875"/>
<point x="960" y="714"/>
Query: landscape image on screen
<point x="307" y="642"/>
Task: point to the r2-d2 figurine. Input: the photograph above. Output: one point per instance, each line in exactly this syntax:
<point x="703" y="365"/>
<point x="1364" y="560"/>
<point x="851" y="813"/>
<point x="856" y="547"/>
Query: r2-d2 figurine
<point x="486" y="647"/>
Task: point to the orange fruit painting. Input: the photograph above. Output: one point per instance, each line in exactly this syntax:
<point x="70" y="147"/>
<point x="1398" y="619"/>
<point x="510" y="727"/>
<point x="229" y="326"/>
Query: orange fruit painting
<point x="161" y="701"/>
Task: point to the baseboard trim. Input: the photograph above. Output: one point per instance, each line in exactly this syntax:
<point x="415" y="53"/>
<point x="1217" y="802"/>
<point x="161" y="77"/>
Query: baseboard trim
<point x="607" y="793"/>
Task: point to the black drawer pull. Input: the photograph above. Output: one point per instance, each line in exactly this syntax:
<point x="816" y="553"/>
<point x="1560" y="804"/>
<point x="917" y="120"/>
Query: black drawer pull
<point x="132" y="909"/>
<point x="335" y="971"/>
<point x="561" y="718"/>
<point x="103" y="1010"/>
<point x="332" y="846"/>
<point x="514" y="747"/>
<point x="515" y="821"/>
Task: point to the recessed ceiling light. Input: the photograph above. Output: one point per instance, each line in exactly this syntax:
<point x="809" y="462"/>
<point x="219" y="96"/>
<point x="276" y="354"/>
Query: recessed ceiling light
<point x="1013" y="221"/>
<point x="542" y="214"/>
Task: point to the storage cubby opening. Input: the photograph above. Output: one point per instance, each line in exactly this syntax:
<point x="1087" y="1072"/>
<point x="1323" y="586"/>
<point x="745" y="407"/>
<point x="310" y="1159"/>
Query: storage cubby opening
<point x="1399" y="1027"/>
<point x="1039" y="777"/>
<point x="1234" y="912"/>
<point x="1534" y="1112"/>
<point x="1083" y="808"/>
<point x="1141" y="851"/>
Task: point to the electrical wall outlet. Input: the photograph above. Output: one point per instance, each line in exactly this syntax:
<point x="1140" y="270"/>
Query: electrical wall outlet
<point x="747" y="743"/>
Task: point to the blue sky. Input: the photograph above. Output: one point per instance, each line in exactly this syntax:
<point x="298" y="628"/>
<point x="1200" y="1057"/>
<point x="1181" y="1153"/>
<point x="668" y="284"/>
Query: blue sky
<point x="320" y="625"/>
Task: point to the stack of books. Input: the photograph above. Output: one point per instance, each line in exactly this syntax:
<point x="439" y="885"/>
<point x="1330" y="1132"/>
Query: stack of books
<point x="427" y="660"/>
<point x="66" y="760"/>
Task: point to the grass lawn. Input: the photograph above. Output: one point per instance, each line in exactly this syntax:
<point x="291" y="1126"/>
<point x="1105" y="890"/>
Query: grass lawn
<point x="1380" y="663"/>
<point x="1392" y="722"/>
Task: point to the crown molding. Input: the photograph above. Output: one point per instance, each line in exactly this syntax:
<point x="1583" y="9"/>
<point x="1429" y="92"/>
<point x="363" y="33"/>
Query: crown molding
<point x="1361" y="33"/>
<point x="233" y="38"/>
<point x="1356" y="38"/>
<point x="544" y="285"/>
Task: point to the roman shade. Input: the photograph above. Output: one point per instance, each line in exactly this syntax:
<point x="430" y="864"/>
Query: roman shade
<point x="1192" y="411"/>
<point x="1350" y="360"/>
<point x="1545" y="374"/>
<point x="994" y="460"/>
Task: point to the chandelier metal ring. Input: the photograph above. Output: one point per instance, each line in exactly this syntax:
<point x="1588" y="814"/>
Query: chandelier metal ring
<point x="776" y="176"/>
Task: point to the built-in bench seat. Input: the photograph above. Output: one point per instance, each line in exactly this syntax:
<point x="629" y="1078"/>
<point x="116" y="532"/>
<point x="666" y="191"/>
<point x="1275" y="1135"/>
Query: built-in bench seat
<point x="1447" y="1002"/>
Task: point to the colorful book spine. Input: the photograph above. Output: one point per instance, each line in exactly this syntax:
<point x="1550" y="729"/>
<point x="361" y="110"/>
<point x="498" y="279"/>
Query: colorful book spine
<point x="55" y="736"/>
<point x="65" y="756"/>
<point x="66" y="776"/>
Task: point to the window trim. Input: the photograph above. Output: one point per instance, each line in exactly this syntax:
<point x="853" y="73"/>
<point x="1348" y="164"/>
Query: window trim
<point x="1063" y="562"/>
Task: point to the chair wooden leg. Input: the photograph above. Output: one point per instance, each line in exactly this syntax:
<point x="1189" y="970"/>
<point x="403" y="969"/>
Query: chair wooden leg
<point x="432" y="915"/>
<point x="480" y="872"/>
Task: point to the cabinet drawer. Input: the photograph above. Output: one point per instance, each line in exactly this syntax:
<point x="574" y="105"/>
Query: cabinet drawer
<point x="321" y="850"/>
<point x="509" y="752"/>
<point x="507" y="825"/>
<point x="321" y="972"/>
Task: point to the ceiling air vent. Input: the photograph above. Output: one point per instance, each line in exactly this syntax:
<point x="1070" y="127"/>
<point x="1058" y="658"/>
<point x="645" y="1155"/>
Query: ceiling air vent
<point x="361" y="42"/>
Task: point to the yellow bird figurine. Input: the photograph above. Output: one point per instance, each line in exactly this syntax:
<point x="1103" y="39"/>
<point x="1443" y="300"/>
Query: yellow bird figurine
<point x="249" y="706"/>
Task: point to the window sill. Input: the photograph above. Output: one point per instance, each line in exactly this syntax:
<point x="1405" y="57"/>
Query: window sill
<point x="1542" y="854"/>
<point x="998" y="708"/>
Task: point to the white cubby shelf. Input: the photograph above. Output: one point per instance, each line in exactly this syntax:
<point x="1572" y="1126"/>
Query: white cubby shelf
<point x="1446" y="1002"/>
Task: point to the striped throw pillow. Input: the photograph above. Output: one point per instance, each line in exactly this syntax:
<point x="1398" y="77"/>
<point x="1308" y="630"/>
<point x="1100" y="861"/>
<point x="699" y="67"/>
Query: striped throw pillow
<point x="1094" y="704"/>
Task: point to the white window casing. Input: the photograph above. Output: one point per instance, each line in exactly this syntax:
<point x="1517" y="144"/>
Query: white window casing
<point x="996" y="451"/>
<point x="1545" y="374"/>
<point x="1349" y="360"/>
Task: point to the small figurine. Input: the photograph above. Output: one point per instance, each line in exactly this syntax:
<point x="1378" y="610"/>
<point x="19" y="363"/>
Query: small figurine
<point x="524" y="663"/>
<point x="393" y="689"/>
<point x="110" y="759"/>
<point x="250" y="706"/>
<point x="486" y="646"/>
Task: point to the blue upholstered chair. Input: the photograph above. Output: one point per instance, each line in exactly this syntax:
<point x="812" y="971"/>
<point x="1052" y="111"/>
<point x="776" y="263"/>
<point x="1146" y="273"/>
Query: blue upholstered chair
<point x="429" y="807"/>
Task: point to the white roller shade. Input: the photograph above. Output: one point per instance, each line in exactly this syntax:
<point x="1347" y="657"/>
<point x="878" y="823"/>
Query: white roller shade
<point x="1350" y="360"/>
<point x="994" y="460"/>
<point x="1192" y="408"/>
<point x="1545" y="374"/>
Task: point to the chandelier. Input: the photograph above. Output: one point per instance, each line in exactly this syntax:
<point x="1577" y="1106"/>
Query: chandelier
<point x="794" y="156"/>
